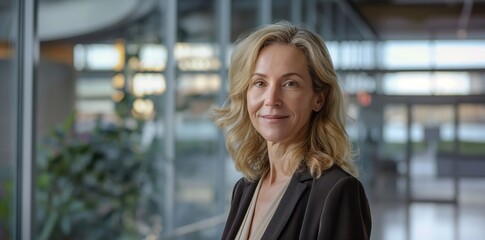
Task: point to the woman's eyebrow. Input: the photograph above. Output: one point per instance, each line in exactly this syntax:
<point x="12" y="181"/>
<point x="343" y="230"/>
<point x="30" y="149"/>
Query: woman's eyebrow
<point x="258" y="74"/>
<point x="284" y="75"/>
<point x="291" y="74"/>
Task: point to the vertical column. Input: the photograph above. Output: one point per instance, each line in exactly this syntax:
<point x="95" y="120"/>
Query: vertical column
<point x="169" y="113"/>
<point x="456" y="152"/>
<point x="264" y="11"/>
<point x="224" y="30"/>
<point x="26" y="69"/>
<point x="296" y="11"/>
<point x="311" y="14"/>
<point x="456" y="171"/>
<point x="327" y="25"/>
<point x="340" y="35"/>
<point x="409" y="150"/>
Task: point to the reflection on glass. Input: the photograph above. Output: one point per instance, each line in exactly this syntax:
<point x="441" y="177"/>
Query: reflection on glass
<point x="433" y="54"/>
<point x="8" y="118"/>
<point x="143" y="109"/>
<point x="98" y="56"/>
<point x="427" y="83"/>
<point x="152" y="57"/>
<point x="430" y="121"/>
<point x="406" y="54"/>
<point x="193" y="84"/>
<point x="148" y="84"/>
<point x="459" y="54"/>
<point x="471" y="129"/>
<point x="197" y="57"/>
<point x="358" y="82"/>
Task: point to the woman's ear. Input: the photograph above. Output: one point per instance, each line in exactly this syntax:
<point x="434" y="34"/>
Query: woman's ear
<point x="319" y="101"/>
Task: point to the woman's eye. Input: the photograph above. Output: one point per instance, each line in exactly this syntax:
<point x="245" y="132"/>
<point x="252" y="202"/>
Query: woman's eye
<point x="291" y="84"/>
<point x="259" y="84"/>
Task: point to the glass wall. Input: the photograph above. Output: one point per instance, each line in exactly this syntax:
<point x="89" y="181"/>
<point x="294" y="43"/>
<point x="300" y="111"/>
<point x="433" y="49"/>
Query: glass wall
<point x="125" y="147"/>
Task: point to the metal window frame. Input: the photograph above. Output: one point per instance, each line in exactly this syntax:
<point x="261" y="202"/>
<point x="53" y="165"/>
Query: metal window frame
<point x="26" y="68"/>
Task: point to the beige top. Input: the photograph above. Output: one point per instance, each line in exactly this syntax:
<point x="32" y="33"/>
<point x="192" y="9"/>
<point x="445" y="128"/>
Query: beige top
<point x="257" y="233"/>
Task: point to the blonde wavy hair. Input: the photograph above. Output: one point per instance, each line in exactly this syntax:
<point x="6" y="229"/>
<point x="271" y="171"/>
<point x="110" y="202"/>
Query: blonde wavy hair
<point x="326" y="143"/>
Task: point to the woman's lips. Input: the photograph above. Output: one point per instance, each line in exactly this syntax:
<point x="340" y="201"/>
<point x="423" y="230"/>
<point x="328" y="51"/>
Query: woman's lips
<point x="273" y="118"/>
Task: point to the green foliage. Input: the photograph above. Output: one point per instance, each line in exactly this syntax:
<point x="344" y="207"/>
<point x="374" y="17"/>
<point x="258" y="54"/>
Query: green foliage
<point x="6" y="206"/>
<point x="95" y="185"/>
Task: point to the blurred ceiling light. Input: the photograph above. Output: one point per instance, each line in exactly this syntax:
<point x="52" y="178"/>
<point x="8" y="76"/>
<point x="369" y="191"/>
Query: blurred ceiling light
<point x="118" y="81"/>
<point x="79" y="57"/>
<point x="459" y="54"/>
<point x="451" y="83"/>
<point x="199" y="64"/>
<point x="134" y="63"/>
<point x="117" y="96"/>
<point x="199" y="83"/>
<point x="153" y="57"/>
<point x="417" y="83"/>
<point x="413" y="83"/>
<point x="102" y="56"/>
<point x="148" y="84"/>
<point x="196" y="57"/>
<point x="143" y="108"/>
<point x="120" y="48"/>
<point x="406" y="54"/>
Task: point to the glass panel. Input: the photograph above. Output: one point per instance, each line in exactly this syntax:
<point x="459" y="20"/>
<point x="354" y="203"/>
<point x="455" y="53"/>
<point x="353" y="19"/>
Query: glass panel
<point x="99" y="132"/>
<point x="432" y="132"/>
<point x="8" y="117"/>
<point x="406" y="54"/>
<point x="471" y="129"/>
<point x="459" y="54"/>
<point x="281" y="10"/>
<point x="427" y="83"/>
<point x="197" y="157"/>
<point x="334" y="51"/>
<point x="390" y="164"/>
<point x="198" y="168"/>
<point x="359" y="83"/>
<point x="394" y="132"/>
<point x="239" y="20"/>
<point x="428" y="54"/>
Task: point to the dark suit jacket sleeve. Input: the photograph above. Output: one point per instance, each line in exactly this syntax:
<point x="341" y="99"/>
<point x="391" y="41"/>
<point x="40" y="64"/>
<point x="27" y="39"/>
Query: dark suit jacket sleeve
<point x="346" y="213"/>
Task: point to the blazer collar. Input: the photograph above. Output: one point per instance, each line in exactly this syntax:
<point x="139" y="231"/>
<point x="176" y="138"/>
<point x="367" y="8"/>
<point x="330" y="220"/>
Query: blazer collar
<point x="246" y="197"/>
<point x="296" y="188"/>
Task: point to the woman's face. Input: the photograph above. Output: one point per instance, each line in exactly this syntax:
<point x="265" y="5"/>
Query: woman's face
<point x="280" y="96"/>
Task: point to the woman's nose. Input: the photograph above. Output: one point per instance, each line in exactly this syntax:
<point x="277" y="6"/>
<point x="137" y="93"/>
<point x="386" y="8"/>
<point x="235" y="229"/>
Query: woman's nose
<point x="272" y="97"/>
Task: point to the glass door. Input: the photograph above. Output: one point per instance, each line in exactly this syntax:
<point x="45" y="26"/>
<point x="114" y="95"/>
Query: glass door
<point x="432" y="136"/>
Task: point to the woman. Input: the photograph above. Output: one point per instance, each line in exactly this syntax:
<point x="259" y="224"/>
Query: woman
<point x="285" y="131"/>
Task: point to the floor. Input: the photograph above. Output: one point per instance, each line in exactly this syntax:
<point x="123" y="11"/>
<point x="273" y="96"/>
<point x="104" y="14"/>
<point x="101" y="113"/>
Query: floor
<point x="431" y="215"/>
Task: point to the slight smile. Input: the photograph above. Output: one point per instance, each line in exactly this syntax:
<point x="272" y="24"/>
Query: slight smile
<point x="272" y="118"/>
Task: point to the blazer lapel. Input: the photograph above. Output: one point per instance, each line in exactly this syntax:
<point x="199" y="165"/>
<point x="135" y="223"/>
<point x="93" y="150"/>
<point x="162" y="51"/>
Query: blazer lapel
<point x="290" y="198"/>
<point x="243" y="207"/>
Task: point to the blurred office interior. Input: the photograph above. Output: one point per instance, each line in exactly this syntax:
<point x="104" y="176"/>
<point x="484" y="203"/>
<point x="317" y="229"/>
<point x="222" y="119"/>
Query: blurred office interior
<point x="105" y="129"/>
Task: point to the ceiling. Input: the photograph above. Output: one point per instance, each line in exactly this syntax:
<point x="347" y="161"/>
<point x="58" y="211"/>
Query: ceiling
<point x="380" y="19"/>
<point x="364" y="19"/>
<point x="424" y="19"/>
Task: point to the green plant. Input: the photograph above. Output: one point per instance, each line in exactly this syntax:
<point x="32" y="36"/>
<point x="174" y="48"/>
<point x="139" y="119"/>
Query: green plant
<point x="6" y="206"/>
<point x="95" y="185"/>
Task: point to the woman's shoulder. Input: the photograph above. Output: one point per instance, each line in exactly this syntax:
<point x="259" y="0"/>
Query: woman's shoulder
<point x="242" y="184"/>
<point x="335" y="175"/>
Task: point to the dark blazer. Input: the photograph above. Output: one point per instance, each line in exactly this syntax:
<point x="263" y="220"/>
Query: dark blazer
<point x="332" y="207"/>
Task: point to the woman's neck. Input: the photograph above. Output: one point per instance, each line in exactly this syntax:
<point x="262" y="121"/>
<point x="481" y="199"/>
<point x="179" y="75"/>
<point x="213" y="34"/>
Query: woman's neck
<point x="278" y="164"/>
